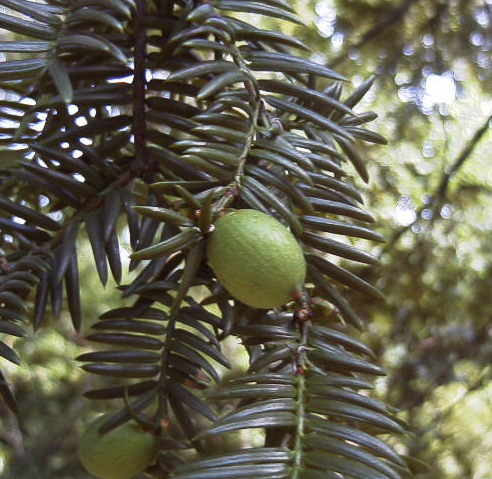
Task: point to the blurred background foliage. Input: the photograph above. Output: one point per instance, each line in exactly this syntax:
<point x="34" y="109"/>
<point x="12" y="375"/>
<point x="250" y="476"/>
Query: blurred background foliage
<point x="430" y="190"/>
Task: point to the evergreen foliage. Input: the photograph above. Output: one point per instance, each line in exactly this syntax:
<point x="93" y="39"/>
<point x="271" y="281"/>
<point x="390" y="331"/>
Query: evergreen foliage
<point x="147" y="119"/>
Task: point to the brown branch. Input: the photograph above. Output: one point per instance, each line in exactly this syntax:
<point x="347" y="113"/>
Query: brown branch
<point x="394" y="55"/>
<point x="392" y="17"/>
<point x="440" y="191"/>
<point x="462" y="157"/>
<point x="141" y="164"/>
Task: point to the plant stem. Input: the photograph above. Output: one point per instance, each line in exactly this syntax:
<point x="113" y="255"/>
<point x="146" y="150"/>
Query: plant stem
<point x="255" y="102"/>
<point x="301" y="369"/>
<point x="141" y="164"/>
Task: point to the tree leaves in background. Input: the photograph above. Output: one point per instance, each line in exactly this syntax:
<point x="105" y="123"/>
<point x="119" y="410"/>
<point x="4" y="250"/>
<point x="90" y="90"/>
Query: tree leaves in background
<point x="140" y="123"/>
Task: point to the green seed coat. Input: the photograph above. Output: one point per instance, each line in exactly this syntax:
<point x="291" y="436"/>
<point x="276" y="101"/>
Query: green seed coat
<point x="256" y="258"/>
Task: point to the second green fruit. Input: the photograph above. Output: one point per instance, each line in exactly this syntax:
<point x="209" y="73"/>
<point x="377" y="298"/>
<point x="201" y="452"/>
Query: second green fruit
<point x="118" y="454"/>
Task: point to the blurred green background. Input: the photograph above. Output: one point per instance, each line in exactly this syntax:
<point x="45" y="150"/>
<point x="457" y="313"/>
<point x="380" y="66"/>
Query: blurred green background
<point x="430" y="192"/>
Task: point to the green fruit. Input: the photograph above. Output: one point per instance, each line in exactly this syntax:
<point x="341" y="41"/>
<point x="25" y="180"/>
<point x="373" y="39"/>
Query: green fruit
<point x="118" y="454"/>
<point x="257" y="259"/>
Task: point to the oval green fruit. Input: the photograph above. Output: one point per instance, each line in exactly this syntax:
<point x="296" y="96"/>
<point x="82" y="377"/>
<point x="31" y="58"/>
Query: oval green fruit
<point x="118" y="454"/>
<point x="256" y="258"/>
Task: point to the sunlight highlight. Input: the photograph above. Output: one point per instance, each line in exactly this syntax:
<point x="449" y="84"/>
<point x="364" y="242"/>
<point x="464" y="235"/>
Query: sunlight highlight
<point x="439" y="89"/>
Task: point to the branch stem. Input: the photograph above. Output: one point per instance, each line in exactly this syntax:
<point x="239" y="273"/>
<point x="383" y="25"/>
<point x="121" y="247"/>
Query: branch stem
<point x="439" y="193"/>
<point x="301" y="369"/>
<point x="251" y="86"/>
<point x="393" y="16"/>
<point x="141" y="164"/>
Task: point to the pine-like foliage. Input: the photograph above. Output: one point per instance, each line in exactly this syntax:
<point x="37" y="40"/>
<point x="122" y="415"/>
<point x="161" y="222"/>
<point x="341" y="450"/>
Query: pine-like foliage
<point x="156" y="115"/>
